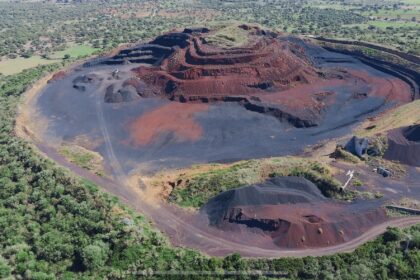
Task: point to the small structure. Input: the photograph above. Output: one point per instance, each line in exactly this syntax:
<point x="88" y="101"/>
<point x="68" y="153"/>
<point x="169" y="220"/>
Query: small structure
<point x="115" y="73"/>
<point x="196" y="30"/>
<point x="357" y="146"/>
<point x="350" y="174"/>
<point x="383" y="171"/>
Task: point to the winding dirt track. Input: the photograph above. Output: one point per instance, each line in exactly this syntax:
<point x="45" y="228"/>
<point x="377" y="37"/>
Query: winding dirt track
<point x="182" y="233"/>
<point x="176" y="224"/>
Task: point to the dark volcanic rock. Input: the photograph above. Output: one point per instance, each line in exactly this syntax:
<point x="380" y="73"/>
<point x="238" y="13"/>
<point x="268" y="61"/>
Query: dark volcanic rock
<point x="404" y="145"/>
<point x="279" y="190"/>
<point x="357" y="146"/>
<point x="412" y="133"/>
<point x="270" y="75"/>
<point x="196" y="30"/>
<point x="126" y="94"/>
<point x="172" y="40"/>
<point x="289" y="211"/>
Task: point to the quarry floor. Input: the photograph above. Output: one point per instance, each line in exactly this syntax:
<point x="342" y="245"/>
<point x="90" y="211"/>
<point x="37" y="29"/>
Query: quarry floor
<point x="50" y="116"/>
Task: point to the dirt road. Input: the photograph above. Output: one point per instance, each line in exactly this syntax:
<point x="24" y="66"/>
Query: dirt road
<point x="182" y="233"/>
<point x="183" y="228"/>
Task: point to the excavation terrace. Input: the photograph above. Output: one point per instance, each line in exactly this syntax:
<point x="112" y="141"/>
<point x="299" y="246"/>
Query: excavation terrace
<point x="272" y="97"/>
<point x="289" y="212"/>
<point x="181" y="100"/>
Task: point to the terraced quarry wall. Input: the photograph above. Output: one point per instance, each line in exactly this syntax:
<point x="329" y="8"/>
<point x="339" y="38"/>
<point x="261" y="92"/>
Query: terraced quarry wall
<point x="179" y="100"/>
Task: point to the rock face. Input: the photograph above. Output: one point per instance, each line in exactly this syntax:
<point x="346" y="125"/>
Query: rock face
<point x="412" y="133"/>
<point x="357" y="146"/>
<point x="290" y="212"/>
<point x="404" y="145"/>
<point x="199" y="72"/>
<point x="272" y="74"/>
<point x="146" y="53"/>
<point x="280" y="190"/>
<point x="126" y="94"/>
<point x="188" y="69"/>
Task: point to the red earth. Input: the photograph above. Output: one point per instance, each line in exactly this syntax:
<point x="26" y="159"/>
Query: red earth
<point x="201" y="71"/>
<point x="269" y="75"/>
<point x="276" y="75"/>
<point x="58" y="76"/>
<point x="392" y="89"/>
<point x="305" y="225"/>
<point x="204" y="72"/>
<point x="169" y="118"/>
<point x="289" y="212"/>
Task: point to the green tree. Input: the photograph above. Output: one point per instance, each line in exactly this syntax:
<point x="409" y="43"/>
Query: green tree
<point x="361" y="271"/>
<point x="4" y="268"/>
<point x="416" y="240"/>
<point x="95" y="256"/>
<point x="392" y="234"/>
<point x="310" y="269"/>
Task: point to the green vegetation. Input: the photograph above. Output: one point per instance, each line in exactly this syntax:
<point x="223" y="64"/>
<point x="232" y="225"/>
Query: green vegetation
<point x="342" y="154"/>
<point x="359" y="20"/>
<point x="322" y="178"/>
<point x="203" y="186"/>
<point x="199" y="188"/>
<point x="229" y="36"/>
<point x="357" y="183"/>
<point x="10" y="66"/>
<point x="56" y="226"/>
<point x="396" y="213"/>
<point x="53" y="30"/>
<point x="13" y="66"/>
<point x="83" y="158"/>
<point x="76" y="51"/>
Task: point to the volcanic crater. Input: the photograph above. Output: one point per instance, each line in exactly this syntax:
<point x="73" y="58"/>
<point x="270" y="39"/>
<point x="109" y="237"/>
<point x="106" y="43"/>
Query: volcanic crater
<point x="181" y="100"/>
<point x="271" y="75"/>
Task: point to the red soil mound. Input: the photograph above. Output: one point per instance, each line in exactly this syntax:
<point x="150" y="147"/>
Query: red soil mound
<point x="270" y="75"/>
<point x="57" y="76"/>
<point x="200" y="72"/>
<point x="391" y="89"/>
<point x="304" y="225"/>
<point x="290" y="212"/>
<point x="175" y="118"/>
<point x="208" y="73"/>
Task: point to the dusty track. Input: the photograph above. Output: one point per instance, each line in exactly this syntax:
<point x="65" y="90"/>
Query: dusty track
<point x="183" y="228"/>
<point x="182" y="233"/>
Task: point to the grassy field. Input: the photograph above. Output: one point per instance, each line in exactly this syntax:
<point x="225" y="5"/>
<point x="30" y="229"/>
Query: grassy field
<point x="229" y="36"/>
<point x="406" y="12"/>
<point x="384" y="24"/>
<point x="84" y="158"/>
<point x="402" y="116"/>
<point x="14" y="66"/>
<point x="74" y="51"/>
<point x="196" y="189"/>
<point x="402" y="13"/>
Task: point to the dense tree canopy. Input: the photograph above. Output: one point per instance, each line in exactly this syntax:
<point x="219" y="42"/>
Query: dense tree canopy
<point x="54" y="225"/>
<point x="44" y="27"/>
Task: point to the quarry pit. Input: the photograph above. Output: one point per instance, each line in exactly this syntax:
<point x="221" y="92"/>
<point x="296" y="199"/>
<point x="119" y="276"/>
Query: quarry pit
<point x="180" y="100"/>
